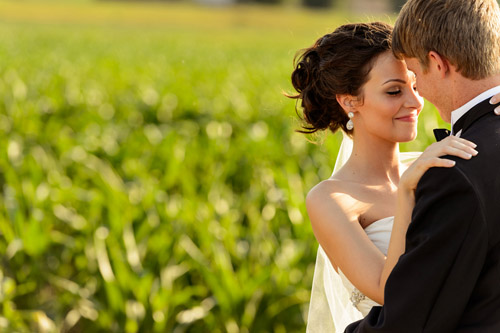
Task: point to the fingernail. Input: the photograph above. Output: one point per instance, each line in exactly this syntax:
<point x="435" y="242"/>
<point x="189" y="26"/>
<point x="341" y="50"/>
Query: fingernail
<point x="493" y="100"/>
<point x="497" y="110"/>
<point x="468" y="155"/>
<point x="475" y="152"/>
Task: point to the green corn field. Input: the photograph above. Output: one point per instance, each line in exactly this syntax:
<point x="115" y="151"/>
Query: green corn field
<point x="151" y="179"/>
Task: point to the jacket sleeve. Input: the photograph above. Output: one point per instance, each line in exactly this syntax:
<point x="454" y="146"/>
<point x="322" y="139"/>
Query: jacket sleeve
<point x="446" y="245"/>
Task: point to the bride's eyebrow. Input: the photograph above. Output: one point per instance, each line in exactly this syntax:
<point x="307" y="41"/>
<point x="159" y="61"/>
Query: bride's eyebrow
<point x="394" y="80"/>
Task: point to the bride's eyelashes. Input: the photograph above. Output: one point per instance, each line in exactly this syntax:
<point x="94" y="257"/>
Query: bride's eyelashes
<point x="399" y="91"/>
<point x="394" y="92"/>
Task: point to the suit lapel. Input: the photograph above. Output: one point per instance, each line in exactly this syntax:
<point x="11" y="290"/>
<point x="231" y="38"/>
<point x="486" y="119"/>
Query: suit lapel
<point x="472" y="115"/>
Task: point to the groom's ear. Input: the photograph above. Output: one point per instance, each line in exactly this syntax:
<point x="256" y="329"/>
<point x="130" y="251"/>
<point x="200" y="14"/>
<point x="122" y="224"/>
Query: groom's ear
<point x="439" y="63"/>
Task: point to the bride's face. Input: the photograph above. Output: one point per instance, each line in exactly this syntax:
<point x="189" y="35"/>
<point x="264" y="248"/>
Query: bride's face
<point x="390" y="103"/>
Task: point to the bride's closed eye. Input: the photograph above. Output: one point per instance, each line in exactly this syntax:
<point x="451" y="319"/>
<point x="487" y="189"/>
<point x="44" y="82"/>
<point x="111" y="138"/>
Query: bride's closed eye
<point x="394" y="92"/>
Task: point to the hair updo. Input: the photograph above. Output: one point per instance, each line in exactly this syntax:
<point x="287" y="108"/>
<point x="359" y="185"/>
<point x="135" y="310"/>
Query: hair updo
<point x="338" y="63"/>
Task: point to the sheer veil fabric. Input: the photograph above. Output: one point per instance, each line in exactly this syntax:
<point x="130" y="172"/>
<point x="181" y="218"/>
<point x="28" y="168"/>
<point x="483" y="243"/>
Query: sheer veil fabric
<point x="331" y="309"/>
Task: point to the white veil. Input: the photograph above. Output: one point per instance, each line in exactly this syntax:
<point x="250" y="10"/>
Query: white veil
<point x="331" y="309"/>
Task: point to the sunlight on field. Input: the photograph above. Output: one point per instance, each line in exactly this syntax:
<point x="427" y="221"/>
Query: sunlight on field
<point x="151" y="177"/>
<point x="173" y="15"/>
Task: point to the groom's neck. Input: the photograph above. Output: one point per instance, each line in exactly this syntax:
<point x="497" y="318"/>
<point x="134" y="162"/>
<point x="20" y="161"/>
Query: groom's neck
<point x="465" y="89"/>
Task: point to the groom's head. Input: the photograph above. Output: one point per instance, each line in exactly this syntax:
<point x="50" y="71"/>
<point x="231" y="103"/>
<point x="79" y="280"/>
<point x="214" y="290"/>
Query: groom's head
<point x="443" y="40"/>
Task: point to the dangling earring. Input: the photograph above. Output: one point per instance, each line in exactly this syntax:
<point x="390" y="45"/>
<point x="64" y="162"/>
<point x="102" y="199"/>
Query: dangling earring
<point x="350" y="124"/>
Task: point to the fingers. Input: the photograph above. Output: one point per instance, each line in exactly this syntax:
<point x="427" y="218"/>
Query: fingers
<point x="458" y="147"/>
<point x="434" y="162"/>
<point x="453" y="138"/>
<point x="495" y="100"/>
<point x="412" y="175"/>
<point x="467" y="142"/>
<point x="443" y="162"/>
<point x="459" y="152"/>
<point x="463" y="147"/>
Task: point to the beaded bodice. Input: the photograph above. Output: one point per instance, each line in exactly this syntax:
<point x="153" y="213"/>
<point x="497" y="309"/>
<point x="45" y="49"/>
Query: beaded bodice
<point x="379" y="233"/>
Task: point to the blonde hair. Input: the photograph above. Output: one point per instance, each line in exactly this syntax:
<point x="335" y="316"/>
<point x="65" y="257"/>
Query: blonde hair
<point x="465" y="32"/>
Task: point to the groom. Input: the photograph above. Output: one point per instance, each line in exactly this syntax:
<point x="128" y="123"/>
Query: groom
<point x="448" y="279"/>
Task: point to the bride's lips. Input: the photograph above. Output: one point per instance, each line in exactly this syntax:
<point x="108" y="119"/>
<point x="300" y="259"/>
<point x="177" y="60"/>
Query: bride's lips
<point x="409" y="118"/>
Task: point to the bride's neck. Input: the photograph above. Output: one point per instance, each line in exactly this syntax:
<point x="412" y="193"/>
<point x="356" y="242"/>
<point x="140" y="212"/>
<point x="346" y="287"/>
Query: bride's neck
<point x="375" y="159"/>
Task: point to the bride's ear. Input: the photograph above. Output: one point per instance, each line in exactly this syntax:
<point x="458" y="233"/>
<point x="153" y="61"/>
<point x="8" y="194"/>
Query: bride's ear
<point x="347" y="102"/>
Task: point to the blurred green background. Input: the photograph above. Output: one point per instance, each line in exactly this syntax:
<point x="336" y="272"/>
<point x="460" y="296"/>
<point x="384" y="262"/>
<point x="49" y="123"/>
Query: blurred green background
<point x="150" y="176"/>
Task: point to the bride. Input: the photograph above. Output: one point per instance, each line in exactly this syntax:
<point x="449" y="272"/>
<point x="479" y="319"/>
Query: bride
<point x="350" y="80"/>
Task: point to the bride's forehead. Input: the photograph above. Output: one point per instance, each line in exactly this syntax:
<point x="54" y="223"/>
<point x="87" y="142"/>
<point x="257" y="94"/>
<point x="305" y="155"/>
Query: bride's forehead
<point x="388" y="63"/>
<point x="390" y="68"/>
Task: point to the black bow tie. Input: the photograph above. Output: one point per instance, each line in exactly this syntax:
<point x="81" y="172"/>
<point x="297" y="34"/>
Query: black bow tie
<point x="441" y="133"/>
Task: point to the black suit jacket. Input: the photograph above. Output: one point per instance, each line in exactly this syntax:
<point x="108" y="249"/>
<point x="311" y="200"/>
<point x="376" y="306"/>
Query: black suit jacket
<point x="448" y="279"/>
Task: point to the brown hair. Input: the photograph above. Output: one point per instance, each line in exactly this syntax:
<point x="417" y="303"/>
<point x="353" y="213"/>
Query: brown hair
<point x="465" y="32"/>
<point x="337" y="63"/>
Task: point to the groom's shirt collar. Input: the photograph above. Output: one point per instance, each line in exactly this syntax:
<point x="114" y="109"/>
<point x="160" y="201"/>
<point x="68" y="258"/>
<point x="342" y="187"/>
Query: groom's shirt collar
<point x="458" y="113"/>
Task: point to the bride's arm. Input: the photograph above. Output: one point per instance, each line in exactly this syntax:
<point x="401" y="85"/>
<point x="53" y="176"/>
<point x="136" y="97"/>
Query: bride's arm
<point x="406" y="192"/>
<point x="337" y="228"/>
<point x="341" y="236"/>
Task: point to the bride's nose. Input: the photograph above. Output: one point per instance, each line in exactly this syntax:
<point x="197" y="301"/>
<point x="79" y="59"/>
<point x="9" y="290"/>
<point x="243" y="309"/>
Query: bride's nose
<point x="415" y="100"/>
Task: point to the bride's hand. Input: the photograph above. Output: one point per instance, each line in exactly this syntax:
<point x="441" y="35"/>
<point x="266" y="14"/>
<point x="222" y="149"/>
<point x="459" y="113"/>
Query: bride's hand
<point x="494" y="100"/>
<point x="431" y="158"/>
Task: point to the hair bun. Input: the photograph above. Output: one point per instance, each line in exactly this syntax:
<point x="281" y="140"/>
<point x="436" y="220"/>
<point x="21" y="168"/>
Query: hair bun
<point x="337" y="63"/>
<point x="304" y="72"/>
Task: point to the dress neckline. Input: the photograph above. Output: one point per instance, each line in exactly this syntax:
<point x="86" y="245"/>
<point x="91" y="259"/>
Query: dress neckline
<point x="381" y="221"/>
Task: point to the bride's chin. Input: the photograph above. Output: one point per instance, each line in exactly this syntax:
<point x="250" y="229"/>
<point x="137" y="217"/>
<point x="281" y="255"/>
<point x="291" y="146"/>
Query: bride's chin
<point x="407" y="134"/>
<point x="407" y="137"/>
<point x="410" y="138"/>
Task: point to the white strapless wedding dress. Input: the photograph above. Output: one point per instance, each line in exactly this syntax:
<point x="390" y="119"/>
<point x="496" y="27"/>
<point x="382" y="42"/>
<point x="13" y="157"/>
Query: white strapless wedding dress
<point x="335" y="302"/>
<point x="379" y="233"/>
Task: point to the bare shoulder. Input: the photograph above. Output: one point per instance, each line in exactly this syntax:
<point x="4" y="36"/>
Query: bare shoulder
<point x="326" y="188"/>
<point x="331" y="197"/>
<point x="330" y="190"/>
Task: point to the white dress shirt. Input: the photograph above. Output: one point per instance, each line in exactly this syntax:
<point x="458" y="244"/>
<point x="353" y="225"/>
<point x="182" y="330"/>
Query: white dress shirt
<point x="458" y="113"/>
